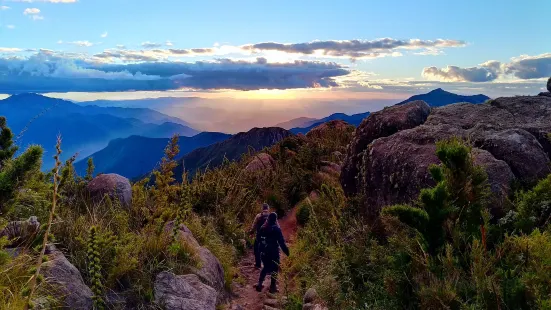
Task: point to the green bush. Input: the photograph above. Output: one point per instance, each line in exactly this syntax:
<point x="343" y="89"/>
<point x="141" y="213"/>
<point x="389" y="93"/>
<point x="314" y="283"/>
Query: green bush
<point x="303" y="213"/>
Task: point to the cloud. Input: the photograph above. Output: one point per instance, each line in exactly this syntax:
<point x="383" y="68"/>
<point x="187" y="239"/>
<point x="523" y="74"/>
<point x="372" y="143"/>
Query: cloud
<point x="354" y="49"/>
<point x="120" y="46"/>
<point x="483" y="73"/>
<point x="120" y="54"/>
<point x="31" y="11"/>
<point x="3" y="7"/>
<point x="523" y="67"/>
<point x="37" y="17"/>
<point x="151" y="45"/>
<point x="82" y="43"/>
<point x="169" y="43"/>
<point x="49" y="1"/>
<point x="10" y="26"/>
<point x="9" y="50"/>
<point x="530" y="67"/>
<point x="49" y="71"/>
<point x="104" y="35"/>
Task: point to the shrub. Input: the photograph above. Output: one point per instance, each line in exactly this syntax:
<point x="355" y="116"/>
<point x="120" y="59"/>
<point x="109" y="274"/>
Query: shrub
<point x="303" y="213"/>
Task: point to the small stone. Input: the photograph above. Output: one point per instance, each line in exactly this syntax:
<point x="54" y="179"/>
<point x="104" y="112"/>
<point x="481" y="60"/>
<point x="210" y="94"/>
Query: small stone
<point x="310" y="296"/>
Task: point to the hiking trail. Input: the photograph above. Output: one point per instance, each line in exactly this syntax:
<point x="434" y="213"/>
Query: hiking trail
<point x="245" y="295"/>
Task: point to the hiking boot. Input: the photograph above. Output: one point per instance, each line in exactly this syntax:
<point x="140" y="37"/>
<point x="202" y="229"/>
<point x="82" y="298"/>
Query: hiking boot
<point x="258" y="287"/>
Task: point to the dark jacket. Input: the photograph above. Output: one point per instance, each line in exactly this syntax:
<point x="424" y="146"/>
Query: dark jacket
<point x="272" y="239"/>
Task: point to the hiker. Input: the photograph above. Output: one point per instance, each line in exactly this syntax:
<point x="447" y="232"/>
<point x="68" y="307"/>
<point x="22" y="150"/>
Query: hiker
<point x="271" y="240"/>
<point x="259" y="220"/>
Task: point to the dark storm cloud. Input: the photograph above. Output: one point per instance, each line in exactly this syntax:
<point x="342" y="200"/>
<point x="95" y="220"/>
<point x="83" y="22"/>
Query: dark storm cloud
<point x="48" y="71"/>
<point x="353" y="48"/>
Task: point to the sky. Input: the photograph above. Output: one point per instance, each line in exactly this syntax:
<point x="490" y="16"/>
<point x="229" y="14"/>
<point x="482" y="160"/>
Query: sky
<point x="267" y="50"/>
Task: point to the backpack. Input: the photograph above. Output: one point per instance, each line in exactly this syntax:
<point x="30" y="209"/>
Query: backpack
<point x="263" y="218"/>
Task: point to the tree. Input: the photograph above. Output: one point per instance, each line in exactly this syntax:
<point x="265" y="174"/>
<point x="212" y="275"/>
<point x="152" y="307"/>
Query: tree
<point x="165" y="190"/>
<point x="454" y="207"/>
<point x="14" y="172"/>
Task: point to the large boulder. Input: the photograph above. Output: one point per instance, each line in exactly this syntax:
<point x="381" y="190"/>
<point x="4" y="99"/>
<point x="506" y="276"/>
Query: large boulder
<point x="183" y="292"/>
<point x="379" y="124"/>
<point x="66" y="281"/>
<point x="113" y="185"/>
<point x="549" y="85"/>
<point x="261" y="161"/>
<point x="509" y="136"/>
<point x="210" y="271"/>
<point x="20" y="232"/>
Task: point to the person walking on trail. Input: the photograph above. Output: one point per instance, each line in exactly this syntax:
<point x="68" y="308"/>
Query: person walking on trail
<point x="259" y="220"/>
<point x="271" y="240"/>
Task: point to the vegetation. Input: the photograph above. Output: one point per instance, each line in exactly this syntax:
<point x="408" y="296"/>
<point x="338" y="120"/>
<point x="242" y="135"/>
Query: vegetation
<point x="442" y="251"/>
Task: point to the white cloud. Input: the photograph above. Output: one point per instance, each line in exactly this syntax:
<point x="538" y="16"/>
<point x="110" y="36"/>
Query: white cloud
<point x="121" y="47"/>
<point x="3" y="7"/>
<point x="10" y="26"/>
<point x="48" y="1"/>
<point x="82" y="43"/>
<point x="37" y="17"/>
<point x="104" y="35"/>
<point x="151" y="45"/>
<point x="169" y="43"/>
<point x="31" y="11"/>
<point x="9" y="50"/>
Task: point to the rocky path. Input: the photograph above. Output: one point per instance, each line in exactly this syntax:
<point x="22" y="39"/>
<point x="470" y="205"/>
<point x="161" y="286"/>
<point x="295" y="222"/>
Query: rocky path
<point x="246" y="297"/>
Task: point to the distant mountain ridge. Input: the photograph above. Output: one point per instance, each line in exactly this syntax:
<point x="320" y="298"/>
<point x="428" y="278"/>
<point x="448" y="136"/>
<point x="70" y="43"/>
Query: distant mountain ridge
<point x="440" y="97"/>
<point x="135" y="156"/>
<point x="232" y="148"/>
<point x="354" y="119"/>
<point x="84" y="129"/>
<point x="297" y="122"/>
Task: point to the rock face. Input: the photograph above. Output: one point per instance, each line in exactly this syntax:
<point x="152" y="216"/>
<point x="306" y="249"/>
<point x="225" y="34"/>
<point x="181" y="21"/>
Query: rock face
<point x="185" y="292"/>
<point x="211" y="272"/>
<point x="114" y="185"/>
<point x="67" y="281"/>
<point x="260" y="161"/>
<point x="379" y="124"/>
<point x="19" y="232"/>
<point x="389" y="156"/>
<point x="549" y="85"/>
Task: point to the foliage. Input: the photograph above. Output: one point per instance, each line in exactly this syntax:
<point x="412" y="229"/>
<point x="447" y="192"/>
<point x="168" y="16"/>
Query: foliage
<point x="94" y="268"/>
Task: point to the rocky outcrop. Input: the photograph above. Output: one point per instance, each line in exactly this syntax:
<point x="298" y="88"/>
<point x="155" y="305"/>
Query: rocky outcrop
<point x="113" y="185"/>
<point x="549" y="85"/>
<point x="389" y="156"/>
<point x="66" y="281"/>
<point x="20" y="232"/>
<point x="261" y="161"/>
<point x="379" y="124"/>
<point x="184" y="292"/>
<point x="325" y="129"/>
<point x="210" y="272"/>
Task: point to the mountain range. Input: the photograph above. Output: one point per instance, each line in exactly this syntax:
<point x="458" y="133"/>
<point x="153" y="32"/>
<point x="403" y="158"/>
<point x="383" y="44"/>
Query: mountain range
<point x="37" y="119"/>
<point x="233" y="148"/>
<point x="354" y="119"/>
<point x="135" y="156"/>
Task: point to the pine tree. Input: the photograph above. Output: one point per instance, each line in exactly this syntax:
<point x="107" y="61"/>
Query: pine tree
<point x="166" y="191"/>
<point x="456" y="202"/>
<point x="90" y="169"/>
<point x="14" y="171"/>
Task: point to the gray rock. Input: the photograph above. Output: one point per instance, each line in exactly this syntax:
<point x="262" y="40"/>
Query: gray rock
<point x="66" y="281"/>
<point x="113" y="185"/>
<point x="388" y="163"/>
<point x="310" y="296"/>
<point x="211" y="271"/>
<point x="19" y="232"/>
<point x="184" y="292"/>
<point x="549" y="85"/>
<point x="379" y="124"/>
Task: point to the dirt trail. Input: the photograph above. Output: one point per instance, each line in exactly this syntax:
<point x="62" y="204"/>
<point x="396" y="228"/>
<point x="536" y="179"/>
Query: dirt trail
<point x="246" y="296"/>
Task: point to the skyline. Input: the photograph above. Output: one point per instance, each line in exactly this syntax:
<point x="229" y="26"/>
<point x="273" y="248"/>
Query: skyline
<point x="282" y="50"/>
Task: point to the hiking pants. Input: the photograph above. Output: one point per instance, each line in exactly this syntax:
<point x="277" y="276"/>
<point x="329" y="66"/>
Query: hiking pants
<point x="257" y="259"/>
